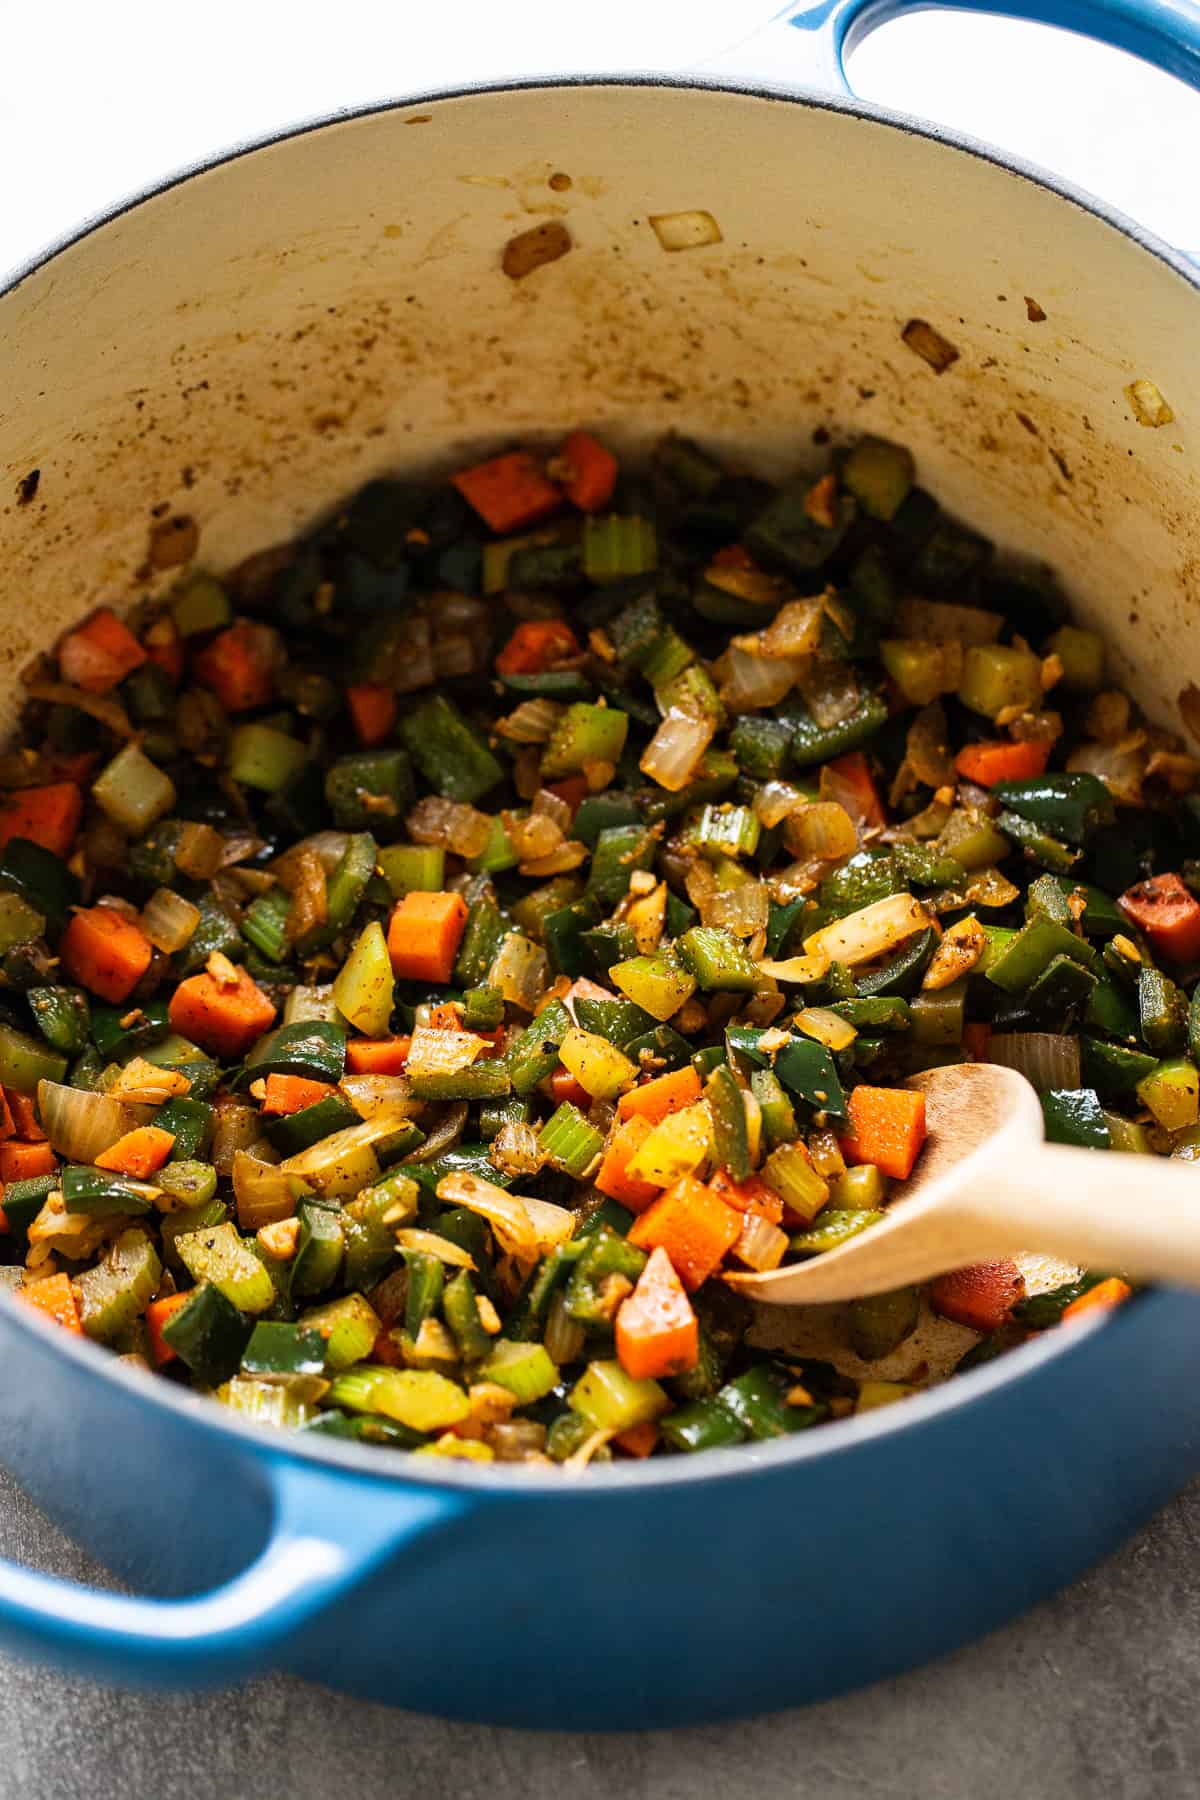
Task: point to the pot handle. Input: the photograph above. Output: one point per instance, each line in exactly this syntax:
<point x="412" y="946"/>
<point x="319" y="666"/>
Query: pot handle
<point x="321" y="1545"/>
<point x="811" y="43"/>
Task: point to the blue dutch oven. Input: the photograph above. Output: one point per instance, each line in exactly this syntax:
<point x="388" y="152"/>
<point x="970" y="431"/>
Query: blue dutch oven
<point x="257" y="337"/>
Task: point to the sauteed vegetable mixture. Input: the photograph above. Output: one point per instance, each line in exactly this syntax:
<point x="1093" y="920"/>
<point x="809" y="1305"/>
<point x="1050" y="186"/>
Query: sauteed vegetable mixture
<point x="436" y="951"/>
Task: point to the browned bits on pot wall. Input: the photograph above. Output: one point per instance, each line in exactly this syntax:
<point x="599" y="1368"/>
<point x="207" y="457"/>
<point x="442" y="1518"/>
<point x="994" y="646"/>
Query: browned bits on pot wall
<point x="27" y="487"/>
<point x="1033" y="312"/>
<point x="1189" y="709"/>
<point x="173" y="541"/>
<point x="559" y="182"/>
<point x="929" y="345"/>
<point x="530" y="249"/>
<point x="1149" y="404"/>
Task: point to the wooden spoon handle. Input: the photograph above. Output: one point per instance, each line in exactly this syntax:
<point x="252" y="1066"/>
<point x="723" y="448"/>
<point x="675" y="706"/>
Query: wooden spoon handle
<point x="1133" y="1215"/>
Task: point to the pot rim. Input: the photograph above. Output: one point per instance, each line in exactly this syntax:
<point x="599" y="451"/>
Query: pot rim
<point x="843" y="1436"/>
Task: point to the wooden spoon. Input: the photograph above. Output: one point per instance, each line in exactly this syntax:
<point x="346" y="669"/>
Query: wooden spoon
<point x="986" y="1186"/>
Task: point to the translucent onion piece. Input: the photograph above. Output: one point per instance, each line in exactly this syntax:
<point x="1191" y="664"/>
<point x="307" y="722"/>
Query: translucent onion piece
<point x="826" y="1027"/>
<point x="199" y="851"/>
<point x="671" y="756"/>
<point x="1037" y="728"/>
<point x="552" y="806"/>
<point x="236" y="1125"/>
<point x="926" y="749"/>
<point x="750" y="682"/>
<point x="823" y="829"/>
<point x="371" y="1095"/>
<point x="239" y="846"/>
<point x="797" y="968"/>
<point x="761" y="1245"/>
<point x="170" y="920"/>
<point x="795" y="631"/>
<point x="74" y="1235"/>
<point x="310" y="1003"/>
<point x="532" y="837"/>
<point x="564" y="1337"/>
<point x="310" y="894"/>
<point x="990" y="887"/>
<point x="830" y="691"/>
<point x="942" y="623"/>
<point x="442" y="1052"/>
<point x="110" y="712"/>
<point x="531" y="723"/>
<point x="870" y="932"/>
<point x="520" y="971"/>
<point x="450" y="824"/>
<point x="1120" y="769"/>
<point x="506" y="1213"/>
<point x="80" y="1125"/>
<point x="1043" y="1057"/>
<point x="515" y="1150"/>
<point x="568" y="856"/>
<point x="328" y="846"/>
<point x="553" y="1225"/>
<point x="743" y="910"/>
<point x="140" y="1083"/>
<point x="774" y="800"/>
<point x="443" y="1136"/>
<point x="263" y="1192"/>
<point x="430" y="1243"/>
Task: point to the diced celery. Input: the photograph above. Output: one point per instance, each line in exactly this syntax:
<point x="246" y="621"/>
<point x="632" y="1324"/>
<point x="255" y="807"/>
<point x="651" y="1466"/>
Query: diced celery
<point x="584" y="734"/>
<point x="133" y="791"/>
<point x="655" y="983"/>
<point x="418" y="1398"/>
<point x="726" y="830"/>
<point x="200" y="604"/>
<point x="1172" y="1093"/>
<point x="614" y="547"/>
<point x="611" y="1400"/>
<point x="920" y="668"/>
<point x="497" y="854"/>
<point x="834" y="1227"/>
<point x="19" y="921"/>
<point x="596" y="1064"/>
<point x="218" y="1254"/>
<point x="1082" y="656"/>
<point x="278" y="1403"/>
<point x="349" y="1326"/>
<point x="675" y="1147"/>
<point x="413" y="868"/>
<point x="569" y="1142"/>
<point x="790" y="1172"/>
<point x="972" y="840"/>
<point x="24" y="1061"/>
<point x="524" y="1369"/>
<point x="881" y="1393"/>
<point x="860" y="1189"/>
<point x="364" y="985"/>
<point x="996" y="676"/>
<point x="261" y="757"/>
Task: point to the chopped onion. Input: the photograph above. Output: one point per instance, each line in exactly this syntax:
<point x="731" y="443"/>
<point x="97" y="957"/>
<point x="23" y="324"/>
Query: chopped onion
<point x="80" y="1125"/>
<point x="431" y="1243"/>
<point x="103" y="707"/>
<point x="743" y="910"/>
<point x="141" y="1083"/>
<point x="515" y="1150"/>
<point x="552" y="806"/>
<point x="506" y="1213"/>
<point x="520" y="971"/>
<point x="926" y="749"/>
<point x="823" y="829"/>
<point x="310" y="895"/>
<point x="450" y="824"/>
<point x="328" y="846"/>
<point x="774" y="800"/>
<point x="870" y="932"/>
<point x="568" y="856"/>
<point x="443" y="1136"/>
<point x="830" y="690"/>
<point x="310" y="1003"/>
<point x="371" y="1095"/>
<point x="534" y="836"/>
<point x="236" y="1125"/>
<point x="825" y="1027"/>
<point x="989" y="887"/>
<point x="797" y="968"/>
<point x="943" y="623"/>
<point x="531" y="723"/>
<point x="238" y="847"/>
<point x="1044" y="1058"/>
<point x="411" y="664"/>
<point x="442" y="1052"/>
<point x="671" y="756"/>
<point x="564" y="1337"/>
<point x="169" y="920"/>
<point x="761" y="1245"/>
<point x="263" y="1192"/>
<point x="553" y="1225"/>
<point x="1037" y="728"/>
<point x="795" y="631"/>
<point x="1120" y="769"/>
<point x="749" y="682"/>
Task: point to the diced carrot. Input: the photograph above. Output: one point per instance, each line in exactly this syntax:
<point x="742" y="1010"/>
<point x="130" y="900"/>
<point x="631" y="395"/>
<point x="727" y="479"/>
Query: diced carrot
<point x="48" y="816"/>
<point x="5" y="1227"/>
<point x="164" y="646"/>
<point x="373" y="710"/>
<point x="292" y="1093"/>
<point x="7" y="1128"/>
<point x="638" y="1440"/>
<point x="1168" y="913"/>
<point x="508" y="492"/>
<point x="78" y="766"/>
<point x="534" y="645"/>
<point x="1002" y="760"/>
<point x="887" y="1129"/>
<point x="224" y="1018"/>
<point x="377" y="1056"/>
<point x="22" y="1110"/>
<point x="444" y="1017"/>
<point x="613" y="1177"/>
<point x="593" y="471"/>
<point x="99" y="653"/>
<point x="749" y="1196"/>
<point x="105" y="952"/>
<point x="1101" y="1298"/>
<point x="573" y="791"/>
<point x="692" y="1226"/>
<point x="564" y="1087"/>
<point x="980" y="1297"/>
<point x="854" y="771"/>
<point x="977" y="1035"/>
<point x="139" y="1153"/>
<point x="733" y="556"/>
<point x="657" y="1332"/>
<point x="54" y="1298"/>
<point x="239" y="666"/>
<point x="24" y="1162"/>
<point x="669" y="1093"/>
<point x="424" y="934"/>
<point x="157" y="1314"/>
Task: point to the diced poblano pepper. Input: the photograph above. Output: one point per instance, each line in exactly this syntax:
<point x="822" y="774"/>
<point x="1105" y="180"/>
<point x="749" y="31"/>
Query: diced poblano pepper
<point x="584" y="734"/>
<point x="655" y="983"/>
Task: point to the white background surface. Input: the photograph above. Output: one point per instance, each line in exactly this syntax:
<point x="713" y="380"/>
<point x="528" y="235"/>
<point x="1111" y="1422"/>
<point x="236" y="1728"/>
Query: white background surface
<point x="100" y="97"/>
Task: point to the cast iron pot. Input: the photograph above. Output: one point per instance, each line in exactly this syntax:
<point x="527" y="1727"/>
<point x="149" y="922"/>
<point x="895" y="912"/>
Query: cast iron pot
<point x="250" y="342"/>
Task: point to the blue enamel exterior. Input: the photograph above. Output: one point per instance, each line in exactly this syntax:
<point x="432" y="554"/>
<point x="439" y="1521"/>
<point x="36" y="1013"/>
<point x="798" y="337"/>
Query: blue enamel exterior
<point x="663" y="1594"/>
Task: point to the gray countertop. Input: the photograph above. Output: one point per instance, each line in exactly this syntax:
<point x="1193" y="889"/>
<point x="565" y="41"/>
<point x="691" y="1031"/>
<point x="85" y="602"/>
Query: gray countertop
<point x="1090" y="1697"/>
